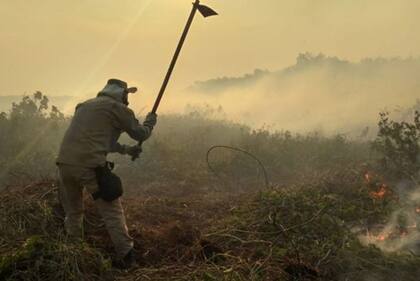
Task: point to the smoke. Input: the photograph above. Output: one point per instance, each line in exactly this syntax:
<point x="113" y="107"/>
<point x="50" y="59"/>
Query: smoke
<point x="320" y="93"/>
<point x="317" y="93"/>
<point x="402" y="231"/>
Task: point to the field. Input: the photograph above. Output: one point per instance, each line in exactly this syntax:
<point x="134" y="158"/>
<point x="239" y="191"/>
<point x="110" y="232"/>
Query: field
<point x="211" y="199"/>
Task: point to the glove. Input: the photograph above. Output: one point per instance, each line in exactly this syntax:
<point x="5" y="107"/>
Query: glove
<point x="151" y="120"/>
<point x="133" y="151"/>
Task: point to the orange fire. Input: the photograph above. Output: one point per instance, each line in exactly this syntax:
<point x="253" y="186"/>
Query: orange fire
<point x="383" y="190"/>
<point x="381" y="237"/>
<point x="400" y="233"/>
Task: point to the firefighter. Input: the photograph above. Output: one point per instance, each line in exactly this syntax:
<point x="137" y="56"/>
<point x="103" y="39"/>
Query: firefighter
<point x="93" y="133"/>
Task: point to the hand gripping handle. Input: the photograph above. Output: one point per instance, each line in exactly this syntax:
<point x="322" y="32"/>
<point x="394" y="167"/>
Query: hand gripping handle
<point x="135" y="157"/>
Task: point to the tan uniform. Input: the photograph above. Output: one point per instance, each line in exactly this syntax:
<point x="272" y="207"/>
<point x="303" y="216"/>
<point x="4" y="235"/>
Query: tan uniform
<point x="73" y="180"/>
<point x="92" y="134"/>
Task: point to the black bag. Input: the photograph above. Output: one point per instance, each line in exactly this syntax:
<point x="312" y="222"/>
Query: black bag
<point x="110" y="186"/>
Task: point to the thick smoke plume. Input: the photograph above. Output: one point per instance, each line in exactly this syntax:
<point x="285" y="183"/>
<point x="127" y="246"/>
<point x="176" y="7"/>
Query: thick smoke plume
<point x="321" y="93"/>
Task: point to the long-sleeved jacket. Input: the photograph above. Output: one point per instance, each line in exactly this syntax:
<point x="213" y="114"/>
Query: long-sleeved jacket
<point x="94" y="131"/>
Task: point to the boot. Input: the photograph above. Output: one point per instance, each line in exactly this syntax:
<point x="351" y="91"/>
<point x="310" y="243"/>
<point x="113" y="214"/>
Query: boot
<point x="129" y="261"/>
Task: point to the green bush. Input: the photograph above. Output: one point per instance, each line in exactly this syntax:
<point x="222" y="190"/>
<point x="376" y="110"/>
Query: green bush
<point x="399" y="144"/>
<point x="43" y="258"/>
<point x="30" y="134"/>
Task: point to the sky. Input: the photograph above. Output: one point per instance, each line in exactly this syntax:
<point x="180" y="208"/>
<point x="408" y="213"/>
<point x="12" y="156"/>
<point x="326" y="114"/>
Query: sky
<point x="73" y="47"/>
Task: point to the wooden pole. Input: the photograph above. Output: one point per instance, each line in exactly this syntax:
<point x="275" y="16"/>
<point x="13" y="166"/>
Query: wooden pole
<point x="176" y="55"/>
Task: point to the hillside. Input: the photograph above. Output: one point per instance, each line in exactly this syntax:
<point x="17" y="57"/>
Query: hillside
<point x="318" y="92"/>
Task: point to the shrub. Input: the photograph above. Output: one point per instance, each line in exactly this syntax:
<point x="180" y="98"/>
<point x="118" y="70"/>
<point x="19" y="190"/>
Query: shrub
<point x="29" y="136"/>
<point x="399" y="145"/>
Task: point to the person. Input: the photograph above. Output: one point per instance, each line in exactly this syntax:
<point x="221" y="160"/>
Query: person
<point x="93" y="133"/>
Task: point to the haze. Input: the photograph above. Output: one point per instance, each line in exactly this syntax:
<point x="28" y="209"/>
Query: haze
<point x="73" y="47"/>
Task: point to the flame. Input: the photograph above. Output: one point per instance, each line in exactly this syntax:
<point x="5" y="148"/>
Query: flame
<point x="367" y="177"/>
<point x="383" y="190"/>
<point x="381" y="237"/>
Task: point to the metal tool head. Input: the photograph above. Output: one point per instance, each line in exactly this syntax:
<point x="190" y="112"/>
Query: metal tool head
<point x="206" y="11"/>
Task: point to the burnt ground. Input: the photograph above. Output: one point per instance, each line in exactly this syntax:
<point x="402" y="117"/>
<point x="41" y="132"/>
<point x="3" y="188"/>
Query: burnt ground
<point x="198" y="233"/>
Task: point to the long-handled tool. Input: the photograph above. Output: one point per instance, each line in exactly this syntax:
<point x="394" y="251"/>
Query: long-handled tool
<point x="205" y="12"/>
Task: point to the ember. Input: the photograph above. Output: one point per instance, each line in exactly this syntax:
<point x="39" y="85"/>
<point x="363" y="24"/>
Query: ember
<point x="381" y="237"/>
<point x="383" y="190"/>
<point x="377" y="238"/>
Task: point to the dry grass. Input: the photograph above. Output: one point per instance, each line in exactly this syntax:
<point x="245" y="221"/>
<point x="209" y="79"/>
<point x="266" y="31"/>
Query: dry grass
<point x="298" y="232"/>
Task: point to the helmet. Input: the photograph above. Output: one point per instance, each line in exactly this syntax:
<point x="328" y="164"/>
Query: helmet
<point x="117" y="89"/>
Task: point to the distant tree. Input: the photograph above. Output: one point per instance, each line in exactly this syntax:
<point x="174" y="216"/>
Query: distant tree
<point x="56" y="114"/>
<point x="3" y="116"/>
<point x="30" y="134"/>
<point x="30" y="107"/>
<point x="399" y="144"/>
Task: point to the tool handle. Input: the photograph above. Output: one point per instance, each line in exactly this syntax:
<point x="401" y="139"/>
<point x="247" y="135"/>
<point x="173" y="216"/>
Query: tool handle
<point x="168" y="75"/>
<point x="175" y="56"/>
